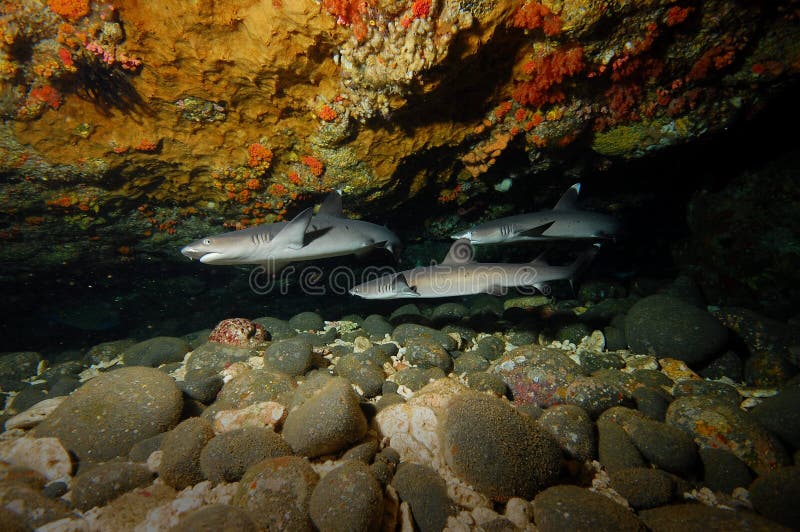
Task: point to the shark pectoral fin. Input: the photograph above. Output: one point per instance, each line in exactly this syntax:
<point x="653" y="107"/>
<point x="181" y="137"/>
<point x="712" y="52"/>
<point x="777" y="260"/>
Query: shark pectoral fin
<point x="497" y="290"/>
<point x="363" y="252"/>
<point x="401" y="287"/>
<point x="536" y="231"/>
<point x="569" y="201"/>
<point x="273" y="267"/>
<point x="293" y="234"/>
<point x="332" y="205"/>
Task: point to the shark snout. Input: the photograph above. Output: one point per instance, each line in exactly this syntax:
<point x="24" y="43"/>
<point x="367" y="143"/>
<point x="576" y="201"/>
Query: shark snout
<point x="191" y="252"/>
<point x="462" y="234"/>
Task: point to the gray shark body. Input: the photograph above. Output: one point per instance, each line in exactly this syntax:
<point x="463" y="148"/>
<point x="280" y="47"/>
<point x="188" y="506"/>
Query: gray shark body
<point x="564" y="221"/>
<point x="459" y="275"/>
<point x="306" y="237"/>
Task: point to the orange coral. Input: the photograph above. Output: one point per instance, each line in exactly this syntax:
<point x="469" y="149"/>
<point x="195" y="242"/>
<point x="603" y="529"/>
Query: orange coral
<point x="70" y="9"/>
<point x="146" y="145"/>
<point x="421" y="8"/>
<point x="314" y="165"/>
<point x="448" y="195"/>
<point x="63" y="201"/>
<point x="253" y="184"/>
<point x="502" y="109"/>
<point x="259" y="155"/>
<point x="295" y="179"/>
<point x="327" y="113"/>
<point x="276" y="189"/>
<point x="534" y="15"/>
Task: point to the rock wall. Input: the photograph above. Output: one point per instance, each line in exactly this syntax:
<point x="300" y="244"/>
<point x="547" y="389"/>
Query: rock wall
<point x="133" y="126"/>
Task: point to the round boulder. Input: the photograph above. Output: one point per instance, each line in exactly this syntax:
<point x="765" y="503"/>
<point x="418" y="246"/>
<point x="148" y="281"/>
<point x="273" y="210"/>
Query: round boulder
<point x="496" y="449"/>
<point x="106" y="416"/>
<point x="327" y="418"/>
<point x="228" y="455"/>
<point x="181" y="447"/>
<point x="277" y="491"/>
<point x="670" y="327"/>
<point x="348" y="498"/>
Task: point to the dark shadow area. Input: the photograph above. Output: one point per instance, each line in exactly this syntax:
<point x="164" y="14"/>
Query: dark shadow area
<point x="83" y="304"/>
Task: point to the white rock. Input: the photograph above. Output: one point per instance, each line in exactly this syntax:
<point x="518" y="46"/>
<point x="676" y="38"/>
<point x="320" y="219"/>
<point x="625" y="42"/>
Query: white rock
<point x="361" y="344"/>
<point x="519" y="511"/>
<point x="154" y="461"/>
<point x="412" y="430"/>
<point x="35" y="414"/>
<point x="44" y="455"/>
<point x="483" y="515"/>
<point x="263" y="414"/>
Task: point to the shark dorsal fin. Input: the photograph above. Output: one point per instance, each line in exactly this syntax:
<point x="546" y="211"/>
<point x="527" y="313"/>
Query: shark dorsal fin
<point x="569" y="201"/>
<point x="293" y="233"/>
<point x="332" y="205"/>
<point x="461" y="252"/>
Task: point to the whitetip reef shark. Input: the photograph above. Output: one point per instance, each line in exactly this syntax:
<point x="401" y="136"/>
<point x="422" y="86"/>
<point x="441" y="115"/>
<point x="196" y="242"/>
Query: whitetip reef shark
<point x="306" y="237"/>
<point x="459" y="275"/>
<point x="563" y="222"/>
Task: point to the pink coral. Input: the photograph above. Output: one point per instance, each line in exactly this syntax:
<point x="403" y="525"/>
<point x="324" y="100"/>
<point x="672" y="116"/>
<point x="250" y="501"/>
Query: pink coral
<point x="239" y="332"/>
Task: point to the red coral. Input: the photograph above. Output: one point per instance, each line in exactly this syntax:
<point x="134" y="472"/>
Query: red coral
<point x="546" y="74"/>
<point x="622" y="100"/>
<point x="677" y="14"/>
<point x="66" y="57"/>
<point x="47" y="94"/>
<point x="715" y="58"/>
<point x="534" y="15"/>
<point x="349" y="13"/>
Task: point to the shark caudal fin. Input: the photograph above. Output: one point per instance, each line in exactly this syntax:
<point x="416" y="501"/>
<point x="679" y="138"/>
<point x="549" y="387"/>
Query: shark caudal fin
<point x="569" y="201"/>
<point x="580" y="264"/>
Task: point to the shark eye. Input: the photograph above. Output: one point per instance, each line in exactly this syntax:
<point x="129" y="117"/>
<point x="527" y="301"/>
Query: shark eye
<point x="207" y="242"/>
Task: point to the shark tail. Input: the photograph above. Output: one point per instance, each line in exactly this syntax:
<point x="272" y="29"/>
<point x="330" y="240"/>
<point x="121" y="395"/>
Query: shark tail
<point x="583" y="261"/>
<point x="571" y="271"/>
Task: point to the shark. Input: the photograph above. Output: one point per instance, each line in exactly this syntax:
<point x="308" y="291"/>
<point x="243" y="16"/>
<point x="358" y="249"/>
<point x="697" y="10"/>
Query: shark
<point x="565" y="221"/>
<point x="307" y="236"/>
<point x="459" y="275"/>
